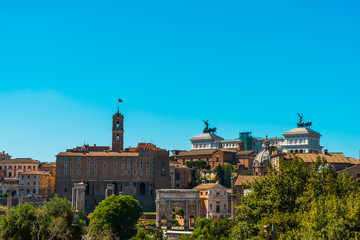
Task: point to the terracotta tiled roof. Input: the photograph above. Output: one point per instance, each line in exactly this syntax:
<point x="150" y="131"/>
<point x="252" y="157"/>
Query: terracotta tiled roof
<point x="354" y="160"/>
<point x="205" y="186"/>
<point x="34" y="172"/>
<point x="10" y="181"/>
<point x="352" y="167"/>
<point x="244" y="179"/>
<point x="245" y="153"/>
<point x="196" y="153"/>
<point x="48" y="164"/>
<point x="330" y="157"/>
<point x="98" y="154"/>
<point x="20" y="161"/>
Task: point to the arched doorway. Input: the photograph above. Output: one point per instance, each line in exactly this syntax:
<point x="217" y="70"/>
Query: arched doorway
<point x="191" y="222"/>
<point x="177" y="218"/>
<point x="115" y="188"/>
<point x="142" y="189"/>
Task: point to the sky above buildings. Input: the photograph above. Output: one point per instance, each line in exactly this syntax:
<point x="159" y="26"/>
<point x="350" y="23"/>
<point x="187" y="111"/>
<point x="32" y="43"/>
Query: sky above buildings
<point x="242" y="65"/>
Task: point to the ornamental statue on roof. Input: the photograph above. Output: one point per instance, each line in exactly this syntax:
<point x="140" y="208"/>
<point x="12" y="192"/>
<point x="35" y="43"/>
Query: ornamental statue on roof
<point x="207" y="129"/>
<point x="301" y="124"/>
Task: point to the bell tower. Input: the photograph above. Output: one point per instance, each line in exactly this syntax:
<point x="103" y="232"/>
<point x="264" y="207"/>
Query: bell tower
<point x="118" y="132"/>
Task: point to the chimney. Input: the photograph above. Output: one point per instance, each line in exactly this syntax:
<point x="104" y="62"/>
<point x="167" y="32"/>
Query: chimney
<point x="325" y="152"/>
<point x="241" y="146"/>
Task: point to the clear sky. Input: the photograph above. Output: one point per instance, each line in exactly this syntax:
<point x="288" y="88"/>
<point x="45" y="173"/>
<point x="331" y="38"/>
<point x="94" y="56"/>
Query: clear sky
<point x="244" y="65"/>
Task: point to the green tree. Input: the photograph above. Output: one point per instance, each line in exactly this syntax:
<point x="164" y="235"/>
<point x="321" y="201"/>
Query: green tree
<point x="53" y="220"/>
<point x="302" y="201"/>
<point x="115" y="217"/>
<point x="207" y="229"/>
<point x="223" y="174"/>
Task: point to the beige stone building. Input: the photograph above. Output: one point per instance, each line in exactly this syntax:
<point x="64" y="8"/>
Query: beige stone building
<point x="37" y="183"/>
<point x="11" y="168"/>
<point x="214" y="201"/>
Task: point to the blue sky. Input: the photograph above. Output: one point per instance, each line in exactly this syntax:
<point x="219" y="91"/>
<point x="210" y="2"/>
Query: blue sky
<point x="244" y="65"/>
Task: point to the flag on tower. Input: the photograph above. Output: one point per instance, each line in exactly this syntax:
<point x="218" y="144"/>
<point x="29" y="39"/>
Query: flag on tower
<point x="120" y="100"/>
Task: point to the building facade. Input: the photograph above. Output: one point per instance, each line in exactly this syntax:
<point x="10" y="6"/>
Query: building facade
<point x="214" y="201"/>
<point x="135" y="171"/>
<point x="37" y="183"/>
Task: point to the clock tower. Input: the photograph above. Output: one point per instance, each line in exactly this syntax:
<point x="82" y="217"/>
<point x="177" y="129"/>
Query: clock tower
<point x="118" y="132"/>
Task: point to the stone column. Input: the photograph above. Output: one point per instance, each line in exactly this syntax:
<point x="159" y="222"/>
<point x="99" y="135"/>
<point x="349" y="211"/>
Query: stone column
<point x="76" y="199"/>
<point x="168" y="216"/>
<point x="9" y="199"/>
<point x="73" y="198"/>
<point x="81" y="193"/>
<point x="21" y="196"/>
<point x="186" y="217"/>
<point x="110" y="190"/>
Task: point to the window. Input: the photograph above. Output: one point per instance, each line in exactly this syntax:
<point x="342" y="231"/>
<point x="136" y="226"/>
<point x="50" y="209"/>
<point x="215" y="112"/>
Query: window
<point x="22" y="182"/>
<point x="114" y="172"/>
<point x="34" y="177"/>
<point x="217" y="208"/>
<point x="60" y="159"/>
<point x="79" y="159"/>
<point x="141" y="166"/>
<point x="210" y="206"/>
<point x="147" y="161"/>
<point x="104" y="159"/>
<point x="65" y="165"/>
<point x="65" y="159"/>
<point x="22" y="176"/>
<point x="71" y="166"/>
<point x="88" y="159"/>
<point x="134" y="165"/>
<point x="65" y="172"/>
<point x="104" y="172"/>
<point x="122" y="172"/>
<point x="88" y="172"/>
<point x="71" y="159"/>
<point x="134" y="159"/>
<point x="79" y="165"/>
<point x="123" y="159"/>
<point x="134" y="172"/>
<point x="78" y="172"/>
<point x="34" y="191"/>
<point x="95" y="159"/>
<point x="141" y="172"/>
<point x="147" y="172"/>
<point x="65" y="190"/>
<point x="28" y="183"/>
<point x="71" y="172"/>
<point x="129" y="159"/>
<point x="95" y="172"/>
<point x="129" y="166"/>
<point x="104" y="165"/>
<point x="34" y="183"/>
<point x="114" y="159"/>
<point x="128" y="172"/>
<point x="95" y="166"/>
<point x="153" y="166"/>
<point x="88" y="166"/>
<point x="28" y="176"/>
<point x="147" y="166"/>
<point x="114" y="165"/>
<point x="122" y="165"/>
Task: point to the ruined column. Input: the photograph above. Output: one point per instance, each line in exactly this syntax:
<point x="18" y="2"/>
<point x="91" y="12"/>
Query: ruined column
<point x="21" y="196"/>
<point x="73" y="198"/>
<point x="110" y="190"/>
<point x="9" y="199"/>
<point x="186" y="217"/>
<point x="76" y="199"/>
<point x="168" y="216"/>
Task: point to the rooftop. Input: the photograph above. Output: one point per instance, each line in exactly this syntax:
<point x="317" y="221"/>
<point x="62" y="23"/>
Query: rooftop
<point x="20" y="161"/>
<point x="329" y="157"/>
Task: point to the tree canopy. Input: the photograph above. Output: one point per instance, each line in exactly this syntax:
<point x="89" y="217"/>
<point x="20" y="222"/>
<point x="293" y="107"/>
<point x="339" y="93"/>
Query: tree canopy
<point x="302" y="202"/>
<point x="115" y="218"/>
<point x="206" y="229"/>
<point x="223" y="174"/>
<point x="53" y="220"/>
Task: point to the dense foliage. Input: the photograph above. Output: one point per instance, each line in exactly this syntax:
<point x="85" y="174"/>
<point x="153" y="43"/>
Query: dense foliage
<point x="223" y="174"/>
<point x="142" y="235"/>
<point x="53" y="220"/>
<point x="302" y="202"/>
<point x="196" y="166"/>
<point x="115" y="218"/>
<point x="206" y="229"/>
